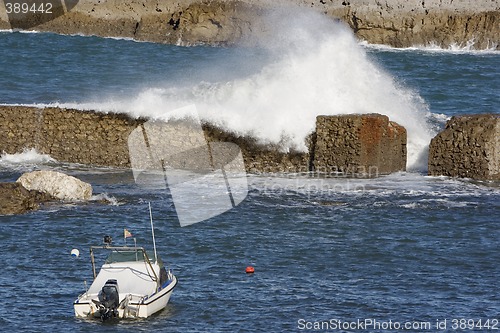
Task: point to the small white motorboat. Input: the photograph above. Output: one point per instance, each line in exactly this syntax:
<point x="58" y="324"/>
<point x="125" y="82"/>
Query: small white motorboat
<point x="128" y="285"/>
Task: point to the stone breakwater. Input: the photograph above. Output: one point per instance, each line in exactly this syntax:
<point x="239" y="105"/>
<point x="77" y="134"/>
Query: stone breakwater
<point x="396" y="23"/>
<point x="368" y="144"/>
<point x="353" y="144"/>
<point x="67" y="135"/>
<point x="469" y="147"/>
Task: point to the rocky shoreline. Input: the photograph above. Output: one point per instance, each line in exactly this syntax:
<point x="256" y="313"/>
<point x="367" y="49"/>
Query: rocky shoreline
<point x="443" y="23"/>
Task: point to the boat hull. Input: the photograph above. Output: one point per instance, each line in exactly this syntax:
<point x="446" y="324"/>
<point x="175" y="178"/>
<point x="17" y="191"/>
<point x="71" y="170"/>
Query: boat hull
<point x="131" y="306"/>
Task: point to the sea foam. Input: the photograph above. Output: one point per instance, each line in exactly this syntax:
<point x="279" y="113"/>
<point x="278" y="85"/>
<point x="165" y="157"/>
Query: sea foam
<point x="28" y="156"/>
<point x="467" y="48"/>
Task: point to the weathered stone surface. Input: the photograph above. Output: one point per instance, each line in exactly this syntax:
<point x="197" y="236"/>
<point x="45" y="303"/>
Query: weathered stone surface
<point x="189" y="22"/>
<point x="359" y="144"/>
<point x="102" y="139"/>
<point x="67" y="135"/>
<point x="177" y="144"/>
<point x="394" y="22"/>
<point x="214" y="22"/>
<point x="15" y="199"/>
<point x="260" y="158"/>
<point x="469" y="147"/>
<point x="56" y="184"/>
<point x="443" y="23"/>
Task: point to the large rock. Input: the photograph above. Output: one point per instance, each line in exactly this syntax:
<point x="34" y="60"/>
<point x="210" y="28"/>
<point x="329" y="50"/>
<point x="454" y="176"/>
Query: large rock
<point x="15" y="199"/>
<point x="214" y="22"/>
<point x="359" y="144"/>
<point x="468" y="147"/>
<point x="57" y="184"/>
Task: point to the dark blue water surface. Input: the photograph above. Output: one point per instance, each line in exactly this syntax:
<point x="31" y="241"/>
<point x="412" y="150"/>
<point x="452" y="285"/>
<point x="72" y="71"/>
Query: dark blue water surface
<point x="78" y="69"/>
<point x="403" y="248"/>
<point x="451" y="83"/>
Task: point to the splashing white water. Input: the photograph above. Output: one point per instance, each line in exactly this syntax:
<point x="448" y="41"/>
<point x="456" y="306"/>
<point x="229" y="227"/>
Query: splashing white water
<point x="28" y="157"/>
<point x="105" y="197"/>
<point x="317" y="68"/>
<point x="467" y="48"/>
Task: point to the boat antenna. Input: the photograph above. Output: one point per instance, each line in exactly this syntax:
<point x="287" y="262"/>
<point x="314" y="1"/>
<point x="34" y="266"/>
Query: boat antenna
<point x="152" y="231"/>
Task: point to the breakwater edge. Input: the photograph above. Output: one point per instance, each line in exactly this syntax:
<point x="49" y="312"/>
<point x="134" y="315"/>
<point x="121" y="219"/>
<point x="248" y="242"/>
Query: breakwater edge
<point x="346" y="144"/>
<point x="367" y="144"/>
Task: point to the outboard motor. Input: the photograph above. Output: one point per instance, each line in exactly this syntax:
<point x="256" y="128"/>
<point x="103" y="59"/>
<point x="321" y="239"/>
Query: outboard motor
<point x="109" y="300"/>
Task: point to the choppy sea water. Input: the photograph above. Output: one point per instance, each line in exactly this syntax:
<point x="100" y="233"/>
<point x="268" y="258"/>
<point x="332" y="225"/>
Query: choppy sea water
<point x="403" y="248"/>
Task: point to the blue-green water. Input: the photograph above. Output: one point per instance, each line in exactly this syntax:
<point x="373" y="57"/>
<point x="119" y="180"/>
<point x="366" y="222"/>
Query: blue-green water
<point x="402" y="248"/>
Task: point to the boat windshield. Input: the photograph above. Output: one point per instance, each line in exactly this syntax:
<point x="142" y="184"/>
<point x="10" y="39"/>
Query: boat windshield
<point x="125" y="255"/>
<point x="129" y="255"/>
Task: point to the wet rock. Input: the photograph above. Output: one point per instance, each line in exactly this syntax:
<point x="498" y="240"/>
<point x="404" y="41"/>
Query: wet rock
<point x="15" y="199"/>
<point x="469" y="146"/>
<point x="359" y="144"/>
<point x="260" y="158"/>
<point x="67" y="135"/>
<point x="56" y="184"/>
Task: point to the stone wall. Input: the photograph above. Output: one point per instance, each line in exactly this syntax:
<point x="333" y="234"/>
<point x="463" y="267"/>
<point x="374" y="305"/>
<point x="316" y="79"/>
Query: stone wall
<point x="365" y="144"/>
<point x="353" y="144"/>
<point x="67" y="135"/>
<point x="260" y="158"/>
<point x="469" y="147"/>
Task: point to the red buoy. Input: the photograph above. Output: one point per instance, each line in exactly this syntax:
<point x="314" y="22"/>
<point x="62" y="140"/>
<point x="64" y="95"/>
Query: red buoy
<point x="250" y="270"/>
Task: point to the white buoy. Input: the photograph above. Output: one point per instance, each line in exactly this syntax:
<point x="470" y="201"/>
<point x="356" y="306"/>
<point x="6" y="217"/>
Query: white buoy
<point x="75" y="253"/>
